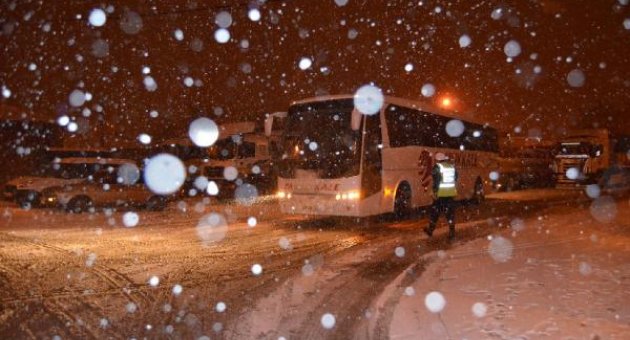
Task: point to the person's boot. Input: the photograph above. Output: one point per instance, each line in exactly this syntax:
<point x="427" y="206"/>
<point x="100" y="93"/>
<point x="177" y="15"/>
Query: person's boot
<point x="451" y="234"/>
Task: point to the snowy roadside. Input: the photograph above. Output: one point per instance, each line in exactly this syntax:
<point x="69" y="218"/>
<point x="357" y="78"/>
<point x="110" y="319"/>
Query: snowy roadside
<point x="562" y="274"/>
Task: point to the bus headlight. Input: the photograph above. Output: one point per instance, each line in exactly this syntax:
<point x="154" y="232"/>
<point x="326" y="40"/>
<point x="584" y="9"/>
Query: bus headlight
<point x="282" y="194"/>
<point x="348" y="195"/>
<point x="354" y="195"/>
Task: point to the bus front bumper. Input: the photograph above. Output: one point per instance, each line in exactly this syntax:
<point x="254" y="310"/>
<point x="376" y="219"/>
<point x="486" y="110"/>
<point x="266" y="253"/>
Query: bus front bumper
<point x="311" y="204"/>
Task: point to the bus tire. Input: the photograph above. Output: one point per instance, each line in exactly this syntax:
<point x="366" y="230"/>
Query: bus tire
<point x="479" y="194"/>
<point x="402" y="201"/>
<point x="79" y="204"/>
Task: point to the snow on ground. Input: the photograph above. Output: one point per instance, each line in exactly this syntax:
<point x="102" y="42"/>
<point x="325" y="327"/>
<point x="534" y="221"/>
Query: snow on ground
<point x="534" y="194"/>
<point x="564" y="275"/>
<point x="313" y="270"/>
<point x="290" y="307"/>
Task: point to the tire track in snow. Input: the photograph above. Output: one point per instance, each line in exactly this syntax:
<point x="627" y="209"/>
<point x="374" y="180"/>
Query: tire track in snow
<point x="50" y="302"/>
<point x="348" y="287"/>
<point x="114" y="278"/>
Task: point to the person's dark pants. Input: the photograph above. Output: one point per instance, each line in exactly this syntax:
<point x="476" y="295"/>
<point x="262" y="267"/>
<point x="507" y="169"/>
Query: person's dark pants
<point x="446" y="206"/>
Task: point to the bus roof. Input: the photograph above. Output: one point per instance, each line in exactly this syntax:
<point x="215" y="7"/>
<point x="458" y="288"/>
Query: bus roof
<point x="416" y="104"/>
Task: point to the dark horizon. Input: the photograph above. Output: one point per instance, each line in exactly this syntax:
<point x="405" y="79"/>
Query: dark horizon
<point x="351" y="45"/>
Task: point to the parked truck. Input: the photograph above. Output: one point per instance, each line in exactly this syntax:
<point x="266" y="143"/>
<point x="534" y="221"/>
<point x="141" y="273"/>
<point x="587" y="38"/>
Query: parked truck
<point x="588" y="157"/>
<point x="525" y="163"/>
<point x="241" y="155"/>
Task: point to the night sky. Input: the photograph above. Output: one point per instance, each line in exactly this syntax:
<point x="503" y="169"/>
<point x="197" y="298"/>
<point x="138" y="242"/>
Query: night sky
<point x="49" y="49"/>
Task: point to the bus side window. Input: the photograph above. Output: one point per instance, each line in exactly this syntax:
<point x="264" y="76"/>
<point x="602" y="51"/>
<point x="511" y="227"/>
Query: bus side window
<point x="403" y="125"/>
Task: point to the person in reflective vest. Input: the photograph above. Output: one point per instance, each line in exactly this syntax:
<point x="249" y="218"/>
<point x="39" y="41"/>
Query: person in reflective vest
<point x="444" y="192"/>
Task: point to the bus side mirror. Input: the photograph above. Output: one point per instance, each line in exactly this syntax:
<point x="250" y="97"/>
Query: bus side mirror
<point x="269" y="121"/>
<point x="268" y="126"/>
<point x="355" y="121"/>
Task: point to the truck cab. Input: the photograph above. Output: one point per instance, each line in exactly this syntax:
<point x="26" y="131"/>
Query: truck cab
<point x="238" y="159"/>
<point x="240" y="155"/>
<point x="582" y="157"/>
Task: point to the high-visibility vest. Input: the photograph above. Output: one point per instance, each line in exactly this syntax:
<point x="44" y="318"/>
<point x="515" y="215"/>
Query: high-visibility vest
<point x="447" y="186"/>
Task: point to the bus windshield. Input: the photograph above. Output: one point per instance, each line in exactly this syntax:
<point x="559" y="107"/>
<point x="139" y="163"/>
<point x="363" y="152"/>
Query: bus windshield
<point x="318" y="138"/>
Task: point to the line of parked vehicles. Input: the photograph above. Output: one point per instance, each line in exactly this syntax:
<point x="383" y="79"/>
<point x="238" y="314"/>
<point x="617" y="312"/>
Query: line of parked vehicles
<point x="83" y="180"/>
<point x="101" y="178"/>
<point x="81" y="184"/>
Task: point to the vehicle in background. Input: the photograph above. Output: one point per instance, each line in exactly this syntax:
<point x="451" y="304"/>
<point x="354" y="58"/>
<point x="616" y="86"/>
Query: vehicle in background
<point x="136" y="153"/>
<point x="86" y="152"/>
<point x="525" y="163"/>
<point x="106" y="188"/>
<point x="621" y="151"/>
<point x="25" y="138"/>
<point x="236" y="160"/>
<point x="523" y="173"/>
<point x="27" y="191"/>
<point x="616" y="179"/>
<point x="339" y="162"/>
<point x="275" y="123"/>
<point x="241" y="155"/>
<point x="582" y="157"/>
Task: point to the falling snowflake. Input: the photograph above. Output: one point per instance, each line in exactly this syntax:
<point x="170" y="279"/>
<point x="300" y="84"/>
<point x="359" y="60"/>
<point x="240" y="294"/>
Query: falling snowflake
<point x="435" y="302"/>
<point x="203" y="132"/>
<point x="328" y="320"/>
<point x="257" y="269"/>
<point x="428" y="90"/>
<point x="97" y="17"/>
<point x="368" y="99"/>
<point x="130" y="219"/>
<point x="305" y="63"/>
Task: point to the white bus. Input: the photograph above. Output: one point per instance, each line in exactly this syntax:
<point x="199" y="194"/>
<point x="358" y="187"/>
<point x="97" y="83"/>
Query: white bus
<point x="339" y="162"/>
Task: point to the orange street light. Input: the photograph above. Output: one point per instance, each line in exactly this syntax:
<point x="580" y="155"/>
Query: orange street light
<point x="446" y="102"/>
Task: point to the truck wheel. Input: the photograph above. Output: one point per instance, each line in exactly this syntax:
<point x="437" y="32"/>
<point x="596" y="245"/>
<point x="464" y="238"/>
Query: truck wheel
<point x="80" y="204"/>
<point x="24" y="203"/>
<point x="28" y="200"/>
<point x="402" y="202"/>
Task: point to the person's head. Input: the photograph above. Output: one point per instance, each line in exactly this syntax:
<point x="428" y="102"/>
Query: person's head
<point x="441" y="157"/>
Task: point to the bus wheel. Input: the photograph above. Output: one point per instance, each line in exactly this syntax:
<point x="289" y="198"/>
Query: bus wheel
<point x="479" y="194"/>
<point x="402" y="202"/>
<point x="79" y="204"/>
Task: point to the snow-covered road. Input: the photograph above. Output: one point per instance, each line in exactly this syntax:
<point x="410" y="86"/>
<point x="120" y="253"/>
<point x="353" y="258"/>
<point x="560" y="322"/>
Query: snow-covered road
<point x="560" y="274"/>
<point x="229" y="271"/>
